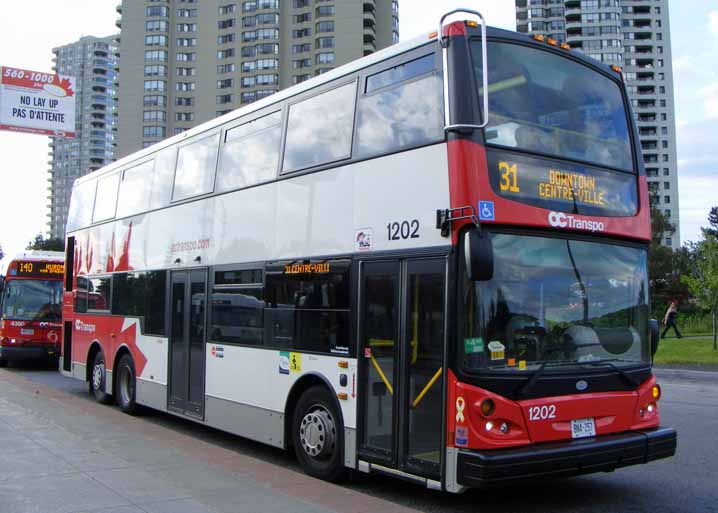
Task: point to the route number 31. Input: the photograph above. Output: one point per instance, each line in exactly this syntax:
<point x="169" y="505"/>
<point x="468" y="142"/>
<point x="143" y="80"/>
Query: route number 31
<point x="509" y="177"/>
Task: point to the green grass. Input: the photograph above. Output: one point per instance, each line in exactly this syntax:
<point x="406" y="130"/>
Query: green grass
<point x="686" y="351"/>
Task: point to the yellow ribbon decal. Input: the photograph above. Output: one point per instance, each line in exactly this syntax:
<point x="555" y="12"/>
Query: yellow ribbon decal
<point x="460" y="405"/>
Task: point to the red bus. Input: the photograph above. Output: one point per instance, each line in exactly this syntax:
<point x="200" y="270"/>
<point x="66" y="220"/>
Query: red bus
<point x="429" y="263"/>
<point x="31" y="306"/>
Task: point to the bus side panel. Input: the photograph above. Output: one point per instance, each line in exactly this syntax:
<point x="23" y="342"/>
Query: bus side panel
<point x="394" y="199"/>
<point x="247" y="388"/>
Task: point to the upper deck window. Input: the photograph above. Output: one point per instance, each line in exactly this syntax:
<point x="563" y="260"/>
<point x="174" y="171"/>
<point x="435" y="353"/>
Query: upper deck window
<point x="135" y="189"/>
<point x="402" y="109"/>
<point x="106" y="199"/>
<point x="544" y="103"/>
<point x="319" y="130"/>
<point x="250" y="153"/>
<point x="195" y="168"/>
<point x="83" y="198"/>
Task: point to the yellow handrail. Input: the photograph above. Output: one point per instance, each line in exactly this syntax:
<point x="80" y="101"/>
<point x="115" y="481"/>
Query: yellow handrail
<point x="426" y="388"/>
<point x="382" y="375"/>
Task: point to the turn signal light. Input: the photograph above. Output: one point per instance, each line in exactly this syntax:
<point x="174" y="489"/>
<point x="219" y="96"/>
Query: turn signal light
<point x="552" y="41"/>
<point x="616" y="68"/>
<point x="487" y="407"/>
<point x="472" y="24"/>
<point x="565" y="46"/>
<point x="432" y="35"/>
<point x="656" y="392"/>
<point x="539" y="37"/>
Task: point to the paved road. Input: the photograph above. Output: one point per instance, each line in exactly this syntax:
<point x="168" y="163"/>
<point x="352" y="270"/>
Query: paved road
<point x="686" y="483"/>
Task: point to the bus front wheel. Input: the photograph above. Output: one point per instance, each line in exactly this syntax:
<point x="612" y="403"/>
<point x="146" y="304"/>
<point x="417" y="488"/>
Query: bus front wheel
<point x="98" y="378"/>
<point x="126" y="383"/>
<point x="318" y="435"/>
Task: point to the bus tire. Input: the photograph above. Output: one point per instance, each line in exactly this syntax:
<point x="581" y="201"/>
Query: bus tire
<point x="126" y="385"/>
<point x="98" y="377"/>
<point x="318" y="435"/>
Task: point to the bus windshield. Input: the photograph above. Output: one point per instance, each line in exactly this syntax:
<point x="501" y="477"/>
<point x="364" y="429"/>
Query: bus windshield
<point x="32" y="300"/>
<point x="557" y="300"/>
<point x="548" y="104"/>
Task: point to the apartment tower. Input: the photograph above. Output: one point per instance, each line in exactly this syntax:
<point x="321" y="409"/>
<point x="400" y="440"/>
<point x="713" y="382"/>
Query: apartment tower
<point x="635" y="34"/>
<point x="92" y="61"/>
<point x="184" y="62"/>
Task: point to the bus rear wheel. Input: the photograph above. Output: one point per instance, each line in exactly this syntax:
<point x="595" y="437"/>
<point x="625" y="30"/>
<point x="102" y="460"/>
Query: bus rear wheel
<point x="126" y="385"/>
<point x="98" y="378"/>
<point x="318" y="435"/>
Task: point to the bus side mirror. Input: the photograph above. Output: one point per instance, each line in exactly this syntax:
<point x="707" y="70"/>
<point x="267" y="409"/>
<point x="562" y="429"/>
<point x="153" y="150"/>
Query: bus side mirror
<point x="655" y="336"/>
<point x="479" y="255"/>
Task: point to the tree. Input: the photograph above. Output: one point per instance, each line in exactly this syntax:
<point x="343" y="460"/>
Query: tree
<point x="44" y="244"/>
<point x="703" y="281"/>
<point x="665" y="266"/>
<point x="712" y="230"/>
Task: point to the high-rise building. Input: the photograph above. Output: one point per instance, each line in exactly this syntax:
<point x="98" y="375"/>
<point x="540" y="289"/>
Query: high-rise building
<point x="184" y="62"/>
<point x="92" y="61"/>
<point x="634" y="34"/>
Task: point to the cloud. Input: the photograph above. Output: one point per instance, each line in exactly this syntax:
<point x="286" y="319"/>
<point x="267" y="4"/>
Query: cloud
<point x="713" y="22"/>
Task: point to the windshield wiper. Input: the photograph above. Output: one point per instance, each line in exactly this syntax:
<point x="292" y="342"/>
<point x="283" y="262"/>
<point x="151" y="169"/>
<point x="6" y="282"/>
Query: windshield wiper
<point x="526" y="387"/>
<point x="608" y="362"/>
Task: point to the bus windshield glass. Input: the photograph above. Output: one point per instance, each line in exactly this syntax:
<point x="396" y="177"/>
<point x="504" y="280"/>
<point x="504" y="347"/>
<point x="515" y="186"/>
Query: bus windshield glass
<point x="554" y="300"/>
<point x="32" y="300"/>
<point x="544" y="103"/>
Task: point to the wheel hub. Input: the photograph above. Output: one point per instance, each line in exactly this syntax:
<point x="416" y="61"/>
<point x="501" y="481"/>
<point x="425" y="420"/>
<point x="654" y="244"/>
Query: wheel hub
<point x="317" y="433"/>
<point x="97" y="373"/>
<point x="126" y="386"/>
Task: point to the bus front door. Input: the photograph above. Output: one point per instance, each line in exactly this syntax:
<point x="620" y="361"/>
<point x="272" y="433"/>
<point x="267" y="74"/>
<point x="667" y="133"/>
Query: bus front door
<point x="187" y="342"/>
<point x="402" y="331"/>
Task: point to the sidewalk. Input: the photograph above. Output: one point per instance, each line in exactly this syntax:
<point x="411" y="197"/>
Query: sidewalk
<point x="62" y="453"/>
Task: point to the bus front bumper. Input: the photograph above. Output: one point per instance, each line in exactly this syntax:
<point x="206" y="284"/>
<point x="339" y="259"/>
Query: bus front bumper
<point x="563" y="459"/>
<point x="22" y="353"/>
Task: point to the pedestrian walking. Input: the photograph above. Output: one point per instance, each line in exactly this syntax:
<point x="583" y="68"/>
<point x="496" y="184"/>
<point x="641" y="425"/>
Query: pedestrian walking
<point x="669" y="320"/>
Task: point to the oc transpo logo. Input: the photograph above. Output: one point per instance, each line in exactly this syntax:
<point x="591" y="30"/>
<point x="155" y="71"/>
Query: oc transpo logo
<point x="84" y="327"/>
<point x="561" y="220"/>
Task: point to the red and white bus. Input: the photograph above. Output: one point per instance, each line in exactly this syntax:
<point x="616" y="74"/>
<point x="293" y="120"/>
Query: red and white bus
<point x="429" y="263"/>
<point x="31" y="306"/>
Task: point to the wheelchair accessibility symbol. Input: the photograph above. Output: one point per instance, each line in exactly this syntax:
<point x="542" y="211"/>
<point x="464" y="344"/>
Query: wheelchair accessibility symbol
<point x="486" y="210"/>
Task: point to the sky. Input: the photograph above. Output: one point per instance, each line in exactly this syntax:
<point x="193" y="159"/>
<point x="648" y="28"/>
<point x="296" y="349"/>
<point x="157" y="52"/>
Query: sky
<point x="24" y="157"/>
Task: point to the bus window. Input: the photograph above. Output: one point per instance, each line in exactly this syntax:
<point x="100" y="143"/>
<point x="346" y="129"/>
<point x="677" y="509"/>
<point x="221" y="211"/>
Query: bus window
<point x="162" y="177"/>
<point x="134" y="194"/>
<point x="401" y="117"/>
<point x="400" y="73"/>
<point x="83" y="197"/>
<point x="319" y="130"/>
<point x="309" y="311"/>
<point x="99" y="293"/>
<point x="196" y="164"/>
<point x="250" y="153"/>
<point x="106" y="199"/>
<point x="141" y="295"/>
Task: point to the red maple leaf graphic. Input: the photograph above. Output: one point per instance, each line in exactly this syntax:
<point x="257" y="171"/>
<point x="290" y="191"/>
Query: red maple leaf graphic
<point x="67" y="86"/>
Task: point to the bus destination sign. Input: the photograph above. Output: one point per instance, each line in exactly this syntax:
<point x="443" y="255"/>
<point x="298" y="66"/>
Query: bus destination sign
<point x="563" y="186"/>
<point x="35" y="269"/>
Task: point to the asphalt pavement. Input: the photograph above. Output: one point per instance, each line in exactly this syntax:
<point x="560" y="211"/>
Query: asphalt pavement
<point x="67" y="453"/>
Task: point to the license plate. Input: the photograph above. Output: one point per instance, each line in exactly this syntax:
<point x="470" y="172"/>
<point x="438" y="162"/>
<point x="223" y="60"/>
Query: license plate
<point x="27" y="331"/>
<point x="581" y="428"/>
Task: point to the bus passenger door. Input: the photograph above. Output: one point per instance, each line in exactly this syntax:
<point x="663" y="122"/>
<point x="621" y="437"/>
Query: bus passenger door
<point x="402" y="332"/>
<point x="187" y="342"/>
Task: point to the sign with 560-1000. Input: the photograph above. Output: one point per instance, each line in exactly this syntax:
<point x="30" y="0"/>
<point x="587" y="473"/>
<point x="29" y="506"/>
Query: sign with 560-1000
<point x="36" y="102"/>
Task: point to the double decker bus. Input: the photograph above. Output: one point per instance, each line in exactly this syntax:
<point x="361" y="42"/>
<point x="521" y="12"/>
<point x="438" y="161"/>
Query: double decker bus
<point x="31" y="306"/>
<point x="429" y="263"/>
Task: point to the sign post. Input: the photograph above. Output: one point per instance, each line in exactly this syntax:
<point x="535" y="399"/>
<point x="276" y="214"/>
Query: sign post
<point x="37" y="103"/>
